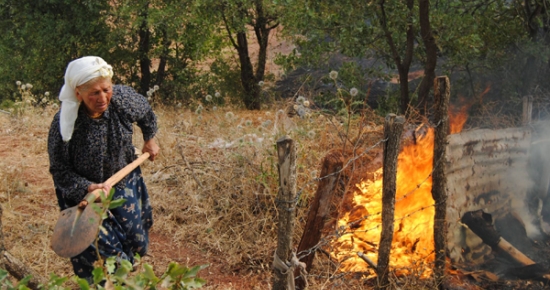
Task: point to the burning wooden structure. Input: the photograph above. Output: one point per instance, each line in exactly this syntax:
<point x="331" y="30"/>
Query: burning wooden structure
<point x="500" y="172"/>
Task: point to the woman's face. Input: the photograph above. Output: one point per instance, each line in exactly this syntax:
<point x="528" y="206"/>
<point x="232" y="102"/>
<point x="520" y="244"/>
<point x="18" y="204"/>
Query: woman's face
<point x="96" y="96"/>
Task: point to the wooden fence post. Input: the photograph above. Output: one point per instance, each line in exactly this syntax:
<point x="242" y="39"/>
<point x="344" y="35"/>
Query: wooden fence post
<point x="393" y="128"/>
<point x="319" y="211"/>
<point x="286" y="202"/>
<point x="442" y="89"/>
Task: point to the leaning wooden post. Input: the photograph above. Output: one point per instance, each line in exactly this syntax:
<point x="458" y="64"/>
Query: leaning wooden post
<point x="319" y="211"/>
<point x="442" y="92"/>
<point x="286" y="201"/>
<point x="393" y="127"/>
<point x="527" y="110"/>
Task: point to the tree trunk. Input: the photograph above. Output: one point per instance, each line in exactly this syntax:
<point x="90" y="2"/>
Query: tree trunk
<point x="164" y="57"/>
<point x="143" y="51"/>
<point x="248" y="80"/>
<point x="431" y="55"/>
<point x="403" y="66"/>
<point x="262" y="30"/>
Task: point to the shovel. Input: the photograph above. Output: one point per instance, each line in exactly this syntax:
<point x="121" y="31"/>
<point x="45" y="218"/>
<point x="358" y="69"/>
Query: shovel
<point x="481" y="224"/>
<point x="78" y="226"/>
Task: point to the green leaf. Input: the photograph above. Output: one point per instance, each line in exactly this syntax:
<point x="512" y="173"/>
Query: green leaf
<point x="83" y="284"/>
<point x="117" y="203"/>
<point x="111" y="264"/>
<point x="3" y="274"/>
<point x="150" y="274"/>
<point x="193" y="271"/>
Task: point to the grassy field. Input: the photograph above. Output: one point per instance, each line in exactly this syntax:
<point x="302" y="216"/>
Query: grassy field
<point x="213" y="189"/>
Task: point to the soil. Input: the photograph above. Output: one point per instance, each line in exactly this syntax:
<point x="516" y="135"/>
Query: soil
<point x="31" y="201"/>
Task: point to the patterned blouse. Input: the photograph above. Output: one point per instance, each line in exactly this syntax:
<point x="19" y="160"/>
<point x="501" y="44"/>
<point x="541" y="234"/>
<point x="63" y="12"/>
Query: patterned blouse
<point x="99" y="147"/>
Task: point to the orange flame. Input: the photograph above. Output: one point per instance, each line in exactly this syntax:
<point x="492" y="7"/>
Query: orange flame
<point x="413" y="227"/>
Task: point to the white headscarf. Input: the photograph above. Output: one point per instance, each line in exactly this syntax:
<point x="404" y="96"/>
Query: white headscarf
<point x="79" y="71"/>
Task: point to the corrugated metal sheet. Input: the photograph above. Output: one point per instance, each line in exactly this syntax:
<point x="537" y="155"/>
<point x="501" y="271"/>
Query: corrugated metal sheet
<point x="486" y="169"/>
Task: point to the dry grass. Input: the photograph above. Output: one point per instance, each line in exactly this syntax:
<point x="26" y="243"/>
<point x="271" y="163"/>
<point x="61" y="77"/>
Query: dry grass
<point x="213" y="188"/>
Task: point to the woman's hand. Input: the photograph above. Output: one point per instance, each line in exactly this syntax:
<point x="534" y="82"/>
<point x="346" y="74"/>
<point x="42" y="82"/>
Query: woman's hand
<point x="91" y="189"/>
<point x="151" y="147"/>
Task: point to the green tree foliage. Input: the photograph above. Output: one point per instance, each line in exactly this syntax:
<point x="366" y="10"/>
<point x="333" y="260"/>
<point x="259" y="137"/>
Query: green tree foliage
<point x="156" y="42"/>
<point x="160" y="42"/>
<point x="39" y="38"/>
<point x="241" y="18"/>
<point x="465" y="35"/>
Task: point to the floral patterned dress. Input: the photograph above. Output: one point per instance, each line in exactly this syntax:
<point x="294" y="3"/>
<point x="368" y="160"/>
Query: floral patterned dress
<point x="96" y="151"/>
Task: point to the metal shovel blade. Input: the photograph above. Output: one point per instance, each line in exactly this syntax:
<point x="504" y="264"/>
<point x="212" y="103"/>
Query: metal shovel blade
<point x="75" y="230"/>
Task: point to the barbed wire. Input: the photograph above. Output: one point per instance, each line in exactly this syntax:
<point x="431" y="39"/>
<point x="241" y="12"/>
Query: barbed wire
<point x="315" y="180"/>
<point x="350" y="227"/>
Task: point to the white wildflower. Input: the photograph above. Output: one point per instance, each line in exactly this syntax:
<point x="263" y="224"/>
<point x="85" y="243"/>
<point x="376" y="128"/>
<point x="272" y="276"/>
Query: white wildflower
<point x="155" y="87"/>
<point x="248" y="123"/>
<point x="44" y="100"/>
<point x="217" y="94"/>
<point x="198" y="111"/>
<point x="306" y="103"/>
<point x="47" y="94"/>
<point x="18" y="83"/>
<point x="149" y="94"/>
<point x="296" y="107"/>
<point x="29" y="86"/>
<point x="313" y="174"/>
<point x="214" y="108"/>
<point x="300" y="99"/>
<point x="311" y="134"/>
<point x="261" y="84"/>
<point x="23" y="87"/>
<point x="179" y="105"/>
<point x="208" y="98"/>
<point x="301" y="112"/>
<point x="229" y="115"/>
<point x="353" y="92"/>
<point x="266" y="123"/>
<point x="333" y="75"/>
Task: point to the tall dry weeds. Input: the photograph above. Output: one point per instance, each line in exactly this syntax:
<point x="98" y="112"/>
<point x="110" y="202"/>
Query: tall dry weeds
<point x="213" y="187"/>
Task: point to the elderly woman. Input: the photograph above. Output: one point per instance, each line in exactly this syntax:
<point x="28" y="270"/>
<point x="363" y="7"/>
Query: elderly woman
<point x="90" y="139"/>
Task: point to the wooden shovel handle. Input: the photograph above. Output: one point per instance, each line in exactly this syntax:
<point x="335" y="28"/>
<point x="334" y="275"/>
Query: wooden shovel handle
<point x="94" y="195"/>
<point x="515" y="253"/>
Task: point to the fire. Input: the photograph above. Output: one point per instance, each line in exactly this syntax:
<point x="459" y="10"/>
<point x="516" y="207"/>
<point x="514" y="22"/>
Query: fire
<point x="413" y="229"/>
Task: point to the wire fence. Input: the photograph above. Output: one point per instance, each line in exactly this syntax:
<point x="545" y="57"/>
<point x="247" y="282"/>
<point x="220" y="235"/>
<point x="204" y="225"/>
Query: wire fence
<point x="327" y="241"/>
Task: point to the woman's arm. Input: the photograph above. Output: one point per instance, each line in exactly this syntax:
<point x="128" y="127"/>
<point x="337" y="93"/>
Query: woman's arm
<point x="137" y="109"/>
<point x="70" y="186"/>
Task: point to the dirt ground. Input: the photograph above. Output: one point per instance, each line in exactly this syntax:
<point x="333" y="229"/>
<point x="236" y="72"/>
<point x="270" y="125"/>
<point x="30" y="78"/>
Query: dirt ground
<point x="30" y="211"/>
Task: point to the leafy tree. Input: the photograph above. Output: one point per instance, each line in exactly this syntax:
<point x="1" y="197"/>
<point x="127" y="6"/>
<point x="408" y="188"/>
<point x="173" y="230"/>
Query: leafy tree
<point x="39" y="38"/>
<point x="155" y="42"/>
<point x="160" y="42"/>
<point x="238" y="17"/>
<point x="402" y="33"/>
